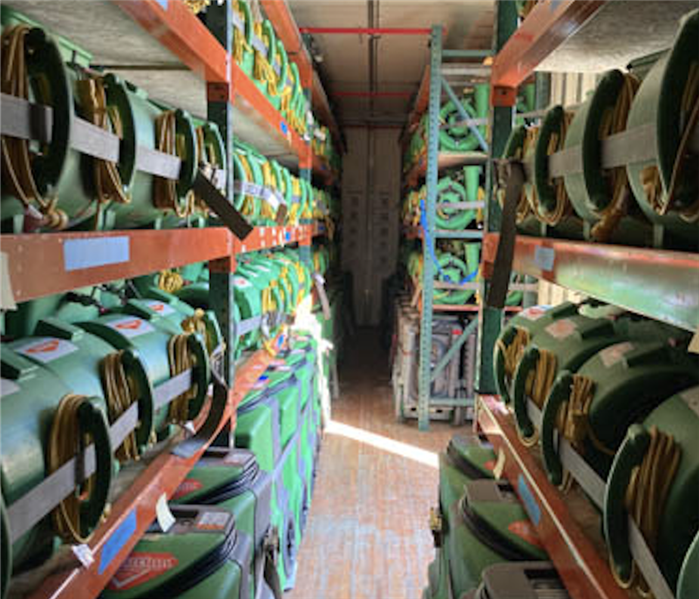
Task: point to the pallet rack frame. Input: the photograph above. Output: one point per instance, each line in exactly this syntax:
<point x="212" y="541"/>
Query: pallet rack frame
<point x="205" y="49"/>
<point x="663" y="285"/>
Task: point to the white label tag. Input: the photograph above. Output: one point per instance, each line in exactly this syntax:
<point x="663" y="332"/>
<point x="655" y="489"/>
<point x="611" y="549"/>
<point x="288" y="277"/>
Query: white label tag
<point x="533" y="313"/>
<point x="160" y="307"/>
<point x="691" y="398"/>
<point x="271" y="197"/>
<point x="213" y="521"/>
<point x="84" y="554"/>
<point x="7" y="298"/>
<point x="561" y="328"/>
<point x="131" y="326"/>
<point x="8" y="387"/>
<point x="47" y="349"/>
<point x="613" y="354"/>
<point x="163" y="514"/>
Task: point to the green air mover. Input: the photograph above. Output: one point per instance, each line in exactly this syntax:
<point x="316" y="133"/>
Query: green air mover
<point x="592" y="190"/>
<point x="75" y="356"/>
<point x="619" y="385"/>
<point x="487" y="526"/>
<point x="265" y="46"/>
<point x="667" y="103"/>
<point x="663" y="497"/>
<point x="553" y="207"/>
<point x="81" y="304"/>
<point x="30" y="394"/>
<point x="453" y="269"/>
<point x="516" y="337"/>
<point x="451" y="191"/>
<point x="565" y="344"/>
<point x="148" y="335"/>
<point x="231" y="479"/>
<point x="264" y="426"/>
<point x="457" y="137"/>
<point x="464" y="460"/>
<point x="203" y="554"/>
<point x="521" y="580"/>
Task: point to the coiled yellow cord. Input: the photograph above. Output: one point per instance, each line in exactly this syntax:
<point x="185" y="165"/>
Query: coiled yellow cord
<point x="248" y="207"/>
<point x="181" y="359"/>
<point x="563" y="206"/>
<point x="512" y="353"/>
<point x="197" y="324"/>
<point x="267" y="211"/>
<point x="65" y="442"/>
<point x="647" y="493"/>
<point x="170" y="281"/>
<point x="120" y="393"/>
<point x="263" y="71"/>
<point x="240" y="43"/>
<point x="17" y="175"/>
<point x="538" y="385"/>
<point x="196" y="6"/>
<point x="165" y="195"/>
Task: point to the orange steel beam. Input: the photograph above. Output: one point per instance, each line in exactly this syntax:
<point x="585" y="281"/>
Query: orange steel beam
<point x="176" y="28"/>
<point x="546" y="27"/>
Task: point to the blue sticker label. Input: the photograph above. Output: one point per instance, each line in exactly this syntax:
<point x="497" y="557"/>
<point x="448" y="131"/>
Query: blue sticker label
<point x="117" y="541"/>
<point x="283" y="126"/>
<point x="544" y="258"/>
<point x="281" y="341"/>
<point x="98" y="251"/>
<point x="264" y="377"/>
<point x="163" y="3"/>
<point x="287" y="236"/>
<point x="530" y="503"/>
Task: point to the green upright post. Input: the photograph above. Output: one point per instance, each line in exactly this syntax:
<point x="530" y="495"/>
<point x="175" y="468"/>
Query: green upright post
<point x="501" y="119"/>
<point x="429" y="235"/>
<point x="219" y="110"/>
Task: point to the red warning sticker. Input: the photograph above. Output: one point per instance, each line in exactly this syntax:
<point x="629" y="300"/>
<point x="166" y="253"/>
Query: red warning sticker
<point x="139" y="568"/>
<point x="160" y="307"/>
<point x="561" y="328"/>
<point x="46" y="349"/>
<point x="213" y="520"/>
<point x="614" y="353"/>
<point x="489" y="465"/>
<point x="524" y="530"/>
<point x="131" y="326"/>
<point x="533" y="313"/>
<point x="187" y="487"/>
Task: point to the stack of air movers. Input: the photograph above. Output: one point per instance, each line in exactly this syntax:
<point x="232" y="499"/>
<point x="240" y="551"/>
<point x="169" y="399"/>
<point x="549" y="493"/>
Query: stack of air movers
<point x="52" y="186"/>
<point x="621" y="391"/>
<point x="90" y="357"/>
<point x="479" y="522"/>
<point x="642" y="193"/>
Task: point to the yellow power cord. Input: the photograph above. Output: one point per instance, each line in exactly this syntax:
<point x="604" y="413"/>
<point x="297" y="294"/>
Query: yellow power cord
<point x="170" y="281"/>
<point x="650" y="176"/>
<point x="196" y="6"/>
<point x="647" y="493"/>
<point x="537" y="387"/>
<point x="563" y="206"/>
<point x="269" y="181"/>
<point x="181" y="359"/>
<point x="65" y="442"/>
<point x="263" y="70"/>
<point x="512" y="353"/>
<point x="120" y="393"/>
<point x="165" y="190"/>
<point x="240" y="43"/>
<point x="108" y="183"/>
<point x="248" y="207"/>
<point x="17" y="173"/>
<point x="614" y="121"/>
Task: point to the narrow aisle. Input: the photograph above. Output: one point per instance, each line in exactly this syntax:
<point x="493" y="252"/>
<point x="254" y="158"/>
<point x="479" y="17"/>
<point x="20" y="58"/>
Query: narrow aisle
<point x="367" y="536"/>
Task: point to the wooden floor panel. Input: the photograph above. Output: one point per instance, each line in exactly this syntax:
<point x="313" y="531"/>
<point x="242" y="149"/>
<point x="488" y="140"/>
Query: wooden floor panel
<point x="367" y="536"/>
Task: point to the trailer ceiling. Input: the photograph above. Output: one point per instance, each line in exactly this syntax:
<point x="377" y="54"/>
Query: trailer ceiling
<point x="399" y="59"/>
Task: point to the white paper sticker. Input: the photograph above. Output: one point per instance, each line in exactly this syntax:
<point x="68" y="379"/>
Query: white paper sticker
<point x="84" y="554"/>
<point x="46" y="349"/>
<point x="533" y="313"/>
<point x="163" y="514"/>
<point x="160" y="307"/>
<point x="213" y="521"/>
<point x="691" y="398"/>
<point x="131" y="326"/>
<point x="613" y="354"/>
<point x="561" y="328"/>
<point x="8" y="387"/>
<point x="271" y="197"/>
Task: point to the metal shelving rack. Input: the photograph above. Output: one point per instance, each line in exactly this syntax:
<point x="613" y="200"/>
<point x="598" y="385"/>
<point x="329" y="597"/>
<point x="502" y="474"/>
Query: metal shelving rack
<point x="441" y="73"/>
<point x="663" y="285"/>
<point x="232" y="101"/>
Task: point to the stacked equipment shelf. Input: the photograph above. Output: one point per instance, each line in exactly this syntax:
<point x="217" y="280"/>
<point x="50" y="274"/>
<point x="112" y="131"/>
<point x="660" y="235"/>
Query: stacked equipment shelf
<point x="659" y="280"/>
<point x="179" y="59"/>
<point x="446" y="137"/>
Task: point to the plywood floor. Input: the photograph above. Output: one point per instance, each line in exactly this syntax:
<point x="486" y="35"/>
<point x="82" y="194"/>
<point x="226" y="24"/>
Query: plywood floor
<point x="367" y="536"/>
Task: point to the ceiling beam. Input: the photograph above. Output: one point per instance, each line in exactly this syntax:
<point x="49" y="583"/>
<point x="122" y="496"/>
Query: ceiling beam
<point x="367" y="30"/>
